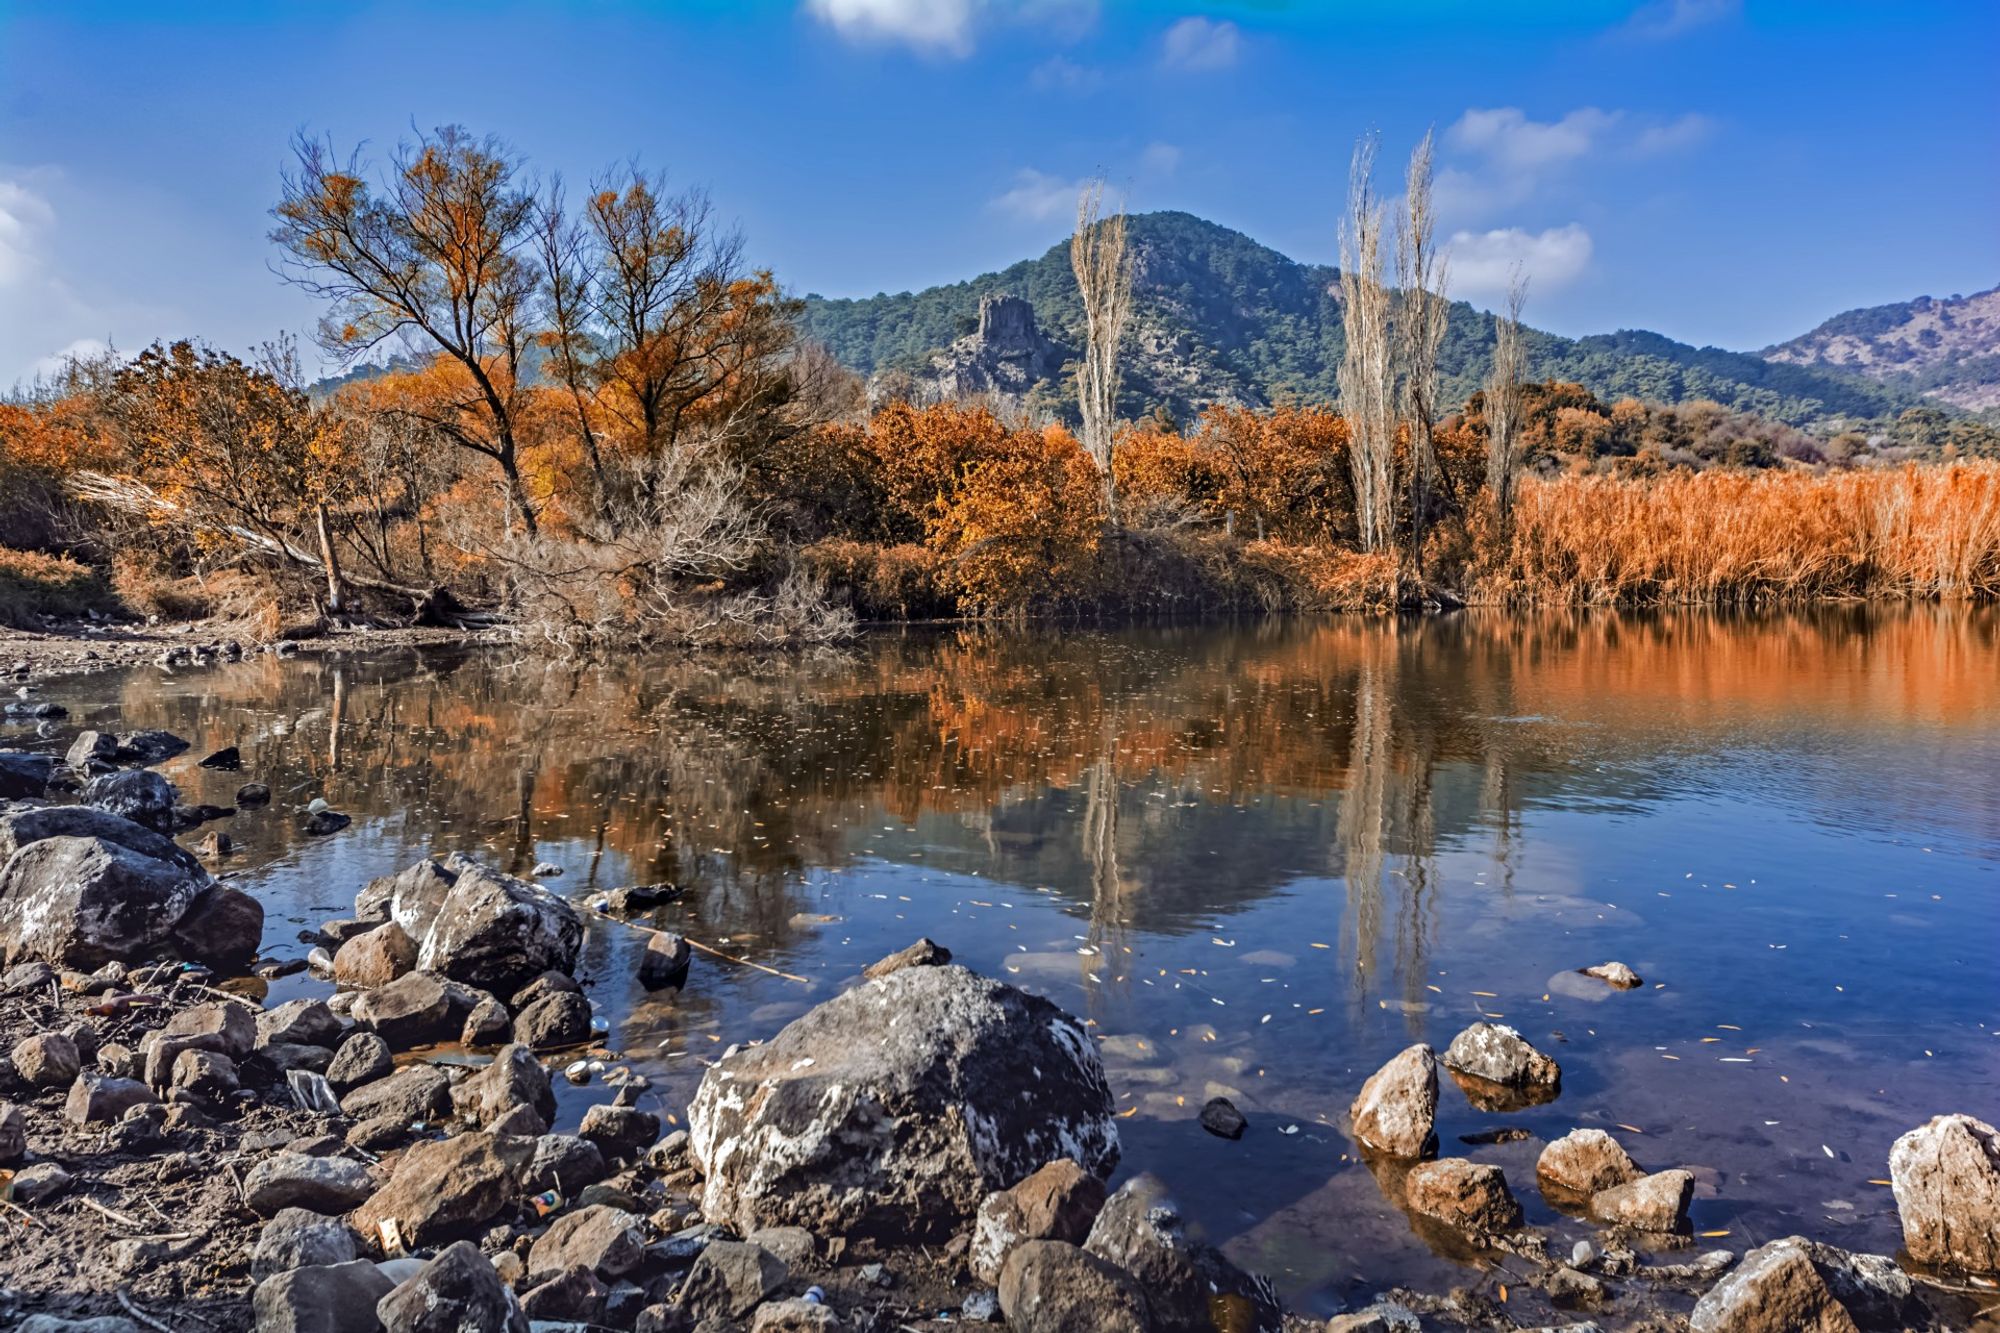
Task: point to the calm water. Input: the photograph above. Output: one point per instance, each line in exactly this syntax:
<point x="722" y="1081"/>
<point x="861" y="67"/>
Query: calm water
<point x="1260" y="860"/>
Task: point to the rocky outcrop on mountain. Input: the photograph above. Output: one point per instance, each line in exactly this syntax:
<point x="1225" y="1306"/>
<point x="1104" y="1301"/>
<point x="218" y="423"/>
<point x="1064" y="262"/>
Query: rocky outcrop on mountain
<point x="1946" y="348"/>
<point x="1003" y="359"/>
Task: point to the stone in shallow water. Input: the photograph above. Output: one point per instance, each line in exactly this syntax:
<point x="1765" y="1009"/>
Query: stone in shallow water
<point x="1946" y="1177"/>
<point x="1585" y="1161"/>
<point x="1397" y="1110"/>
<point x="1658" y="1202"/>
<point x="1471" y="1197"/>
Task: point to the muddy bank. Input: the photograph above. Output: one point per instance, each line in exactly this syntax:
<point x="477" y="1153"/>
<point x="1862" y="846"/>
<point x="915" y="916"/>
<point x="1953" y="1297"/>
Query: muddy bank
<point x="926" y="1148"/>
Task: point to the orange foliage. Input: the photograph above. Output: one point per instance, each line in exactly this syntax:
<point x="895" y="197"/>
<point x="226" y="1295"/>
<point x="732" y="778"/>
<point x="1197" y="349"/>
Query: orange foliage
<point x="1021" y="529"/>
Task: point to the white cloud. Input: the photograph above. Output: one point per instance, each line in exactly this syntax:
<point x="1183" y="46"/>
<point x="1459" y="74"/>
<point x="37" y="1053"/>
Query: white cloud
<point x="1662" y="19"/>
<point x="82" y="349"/>
<point x="1482" y="262"/>
<point x="947" y="27"/>
<point x="1036" y="196"/>
<point x="1198" y="44"/>
<point x="938" y="26"/>
<point x="1506" y="137"/>
<point x="25" y="219"/>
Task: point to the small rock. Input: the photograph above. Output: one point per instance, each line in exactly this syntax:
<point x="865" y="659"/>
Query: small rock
<point x="1221" y="1118"/>
<point x="489" y="1024"/>
<point x="253" y="794"/>
<point x="571" y="1296"/>
<point x="229" y="758"/>
<point x="442" y="1191"/>
<point x="47" y="1060"/>
<point x="729" y="1279"/>
<point x="321" y="1298"/>
<point x="1499" y="1054"/>
<point x="554" y="1020"/>
<point x="1616" y="974"/>
<point x="564" y="1163"/>
<point x="39" y="1183"/>
<point x="1795" y="1285"/>
<point x="455" y="1292"/>
<point x="1585" y="1161"/>
<point x="665" y="962"/>
<point x="1058" y="1202"/>
<point x="362" y="1058"/>
<point x="1470" y="1197"/>
<point x="316" y="1184"/>
<point x="795" y="1316"/>
<point x="621" y="1133"/>
<point x="924" y="953"/>
<point x="514" y="1078"/>
<point x="96" y="1099"/>
<point x="413" y="1010"/>
<point x="375" y="957"/>
<point x="1658" y="1202"/>
<point x="1051" y="1286"/>
<point x="602" y="1240"/>
<point x="1396" y="1113"/>
<point x="299" y="1023"/>
<point x="204" y="1075"/>
<point x="300" y="1238"/>
<point x="414" y="1092"/>
<point x="548" y="983"/>
<point x="321" y="823"/>
<point x="13" y="1134"/>
<point x="794" y="1247"/>
<point x="546" y="870"/>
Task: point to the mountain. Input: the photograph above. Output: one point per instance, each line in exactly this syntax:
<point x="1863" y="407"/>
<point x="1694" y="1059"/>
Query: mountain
<point x="1218" y="317"/>
<point x="1946" y="349"/>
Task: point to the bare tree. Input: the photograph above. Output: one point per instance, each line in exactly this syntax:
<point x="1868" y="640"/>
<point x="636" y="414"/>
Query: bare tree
<point x="1103" y="270"/>
<point x="1422" y="273"/>
<point x="437" y="252"/>
<point x="1503" y="398"/>
<point x="1367" y="367"/>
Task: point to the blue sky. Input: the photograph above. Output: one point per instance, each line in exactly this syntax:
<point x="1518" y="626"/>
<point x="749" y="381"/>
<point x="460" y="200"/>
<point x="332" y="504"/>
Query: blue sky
<point x="1723" y="171"/>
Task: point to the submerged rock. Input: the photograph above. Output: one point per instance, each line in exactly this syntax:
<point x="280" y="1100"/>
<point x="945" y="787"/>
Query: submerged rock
<point x="1221" y="1118"/>
<point x="1614" y="974"/>
<point x="1498" y="1070"/>
<point x="1946" y="1177"/>
<point x="898" y="1106"/>
<point x="1396" y="1112"/>
<point x="664" y="964"/>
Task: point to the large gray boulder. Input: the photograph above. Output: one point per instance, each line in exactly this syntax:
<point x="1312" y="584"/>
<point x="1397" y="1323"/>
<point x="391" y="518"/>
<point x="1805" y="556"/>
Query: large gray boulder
<point x="456" y="1292"/>
<point x="897" y="1107"/>
<point x="85" y="902"/>
<point x="321" y="1298"/>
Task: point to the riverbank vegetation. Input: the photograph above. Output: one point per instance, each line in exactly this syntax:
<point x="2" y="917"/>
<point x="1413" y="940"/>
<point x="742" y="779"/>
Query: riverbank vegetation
<point x="593" y="419"/>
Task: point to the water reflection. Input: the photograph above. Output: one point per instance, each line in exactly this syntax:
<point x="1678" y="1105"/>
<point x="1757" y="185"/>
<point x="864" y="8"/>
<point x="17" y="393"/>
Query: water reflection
<point x="1260" y="858"/>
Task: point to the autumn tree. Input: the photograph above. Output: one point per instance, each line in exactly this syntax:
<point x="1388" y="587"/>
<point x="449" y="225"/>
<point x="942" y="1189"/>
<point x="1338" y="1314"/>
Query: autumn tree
<point x="1367" y="367"/>
<point x="1103" y="269"/>
<point x="438" y="250"/>
<point x="231" y="456"/>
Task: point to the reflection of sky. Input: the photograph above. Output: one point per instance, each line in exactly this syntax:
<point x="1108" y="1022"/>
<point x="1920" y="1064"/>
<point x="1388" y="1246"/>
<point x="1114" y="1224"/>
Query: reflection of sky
<point x="1321" y="843"/>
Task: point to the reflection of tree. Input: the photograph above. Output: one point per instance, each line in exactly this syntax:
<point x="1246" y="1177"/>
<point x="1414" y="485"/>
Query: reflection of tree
<point x="1363" y="810"/>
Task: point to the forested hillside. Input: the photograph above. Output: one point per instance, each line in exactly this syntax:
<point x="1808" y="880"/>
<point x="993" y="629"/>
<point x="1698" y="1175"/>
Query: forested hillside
<point x="1221" y="318"/>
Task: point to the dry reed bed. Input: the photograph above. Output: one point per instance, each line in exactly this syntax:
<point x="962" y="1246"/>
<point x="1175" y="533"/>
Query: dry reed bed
<point x="1725" y="537"/>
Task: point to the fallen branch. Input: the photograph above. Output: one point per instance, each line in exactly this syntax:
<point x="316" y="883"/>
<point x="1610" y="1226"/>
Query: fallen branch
<point x="140" y="1315"/>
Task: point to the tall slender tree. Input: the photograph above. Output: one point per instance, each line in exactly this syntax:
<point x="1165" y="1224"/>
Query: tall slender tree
<point x="1103" y="267"/>
<point x="1422" y="272"/>
<point x="1503" y="399"/>
<point x="1367" y="367"/>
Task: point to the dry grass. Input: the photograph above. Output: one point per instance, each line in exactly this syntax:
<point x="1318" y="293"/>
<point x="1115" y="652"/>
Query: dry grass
<point x="1733" y="538"/>
<point x="33" y="585"/>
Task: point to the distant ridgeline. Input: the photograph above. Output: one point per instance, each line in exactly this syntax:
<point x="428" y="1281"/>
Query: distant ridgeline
<point x="1218" y="318"/>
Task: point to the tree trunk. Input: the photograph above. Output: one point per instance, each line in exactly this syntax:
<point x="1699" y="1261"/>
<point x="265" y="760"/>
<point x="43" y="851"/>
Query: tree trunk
<point x="336" y="589"/>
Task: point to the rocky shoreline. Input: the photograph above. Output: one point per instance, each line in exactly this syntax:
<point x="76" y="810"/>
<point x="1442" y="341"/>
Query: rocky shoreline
<point x="926" y="1149"/>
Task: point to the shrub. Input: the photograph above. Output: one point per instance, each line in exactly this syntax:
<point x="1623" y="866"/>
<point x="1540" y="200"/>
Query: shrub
<point x="34" y="586"/>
